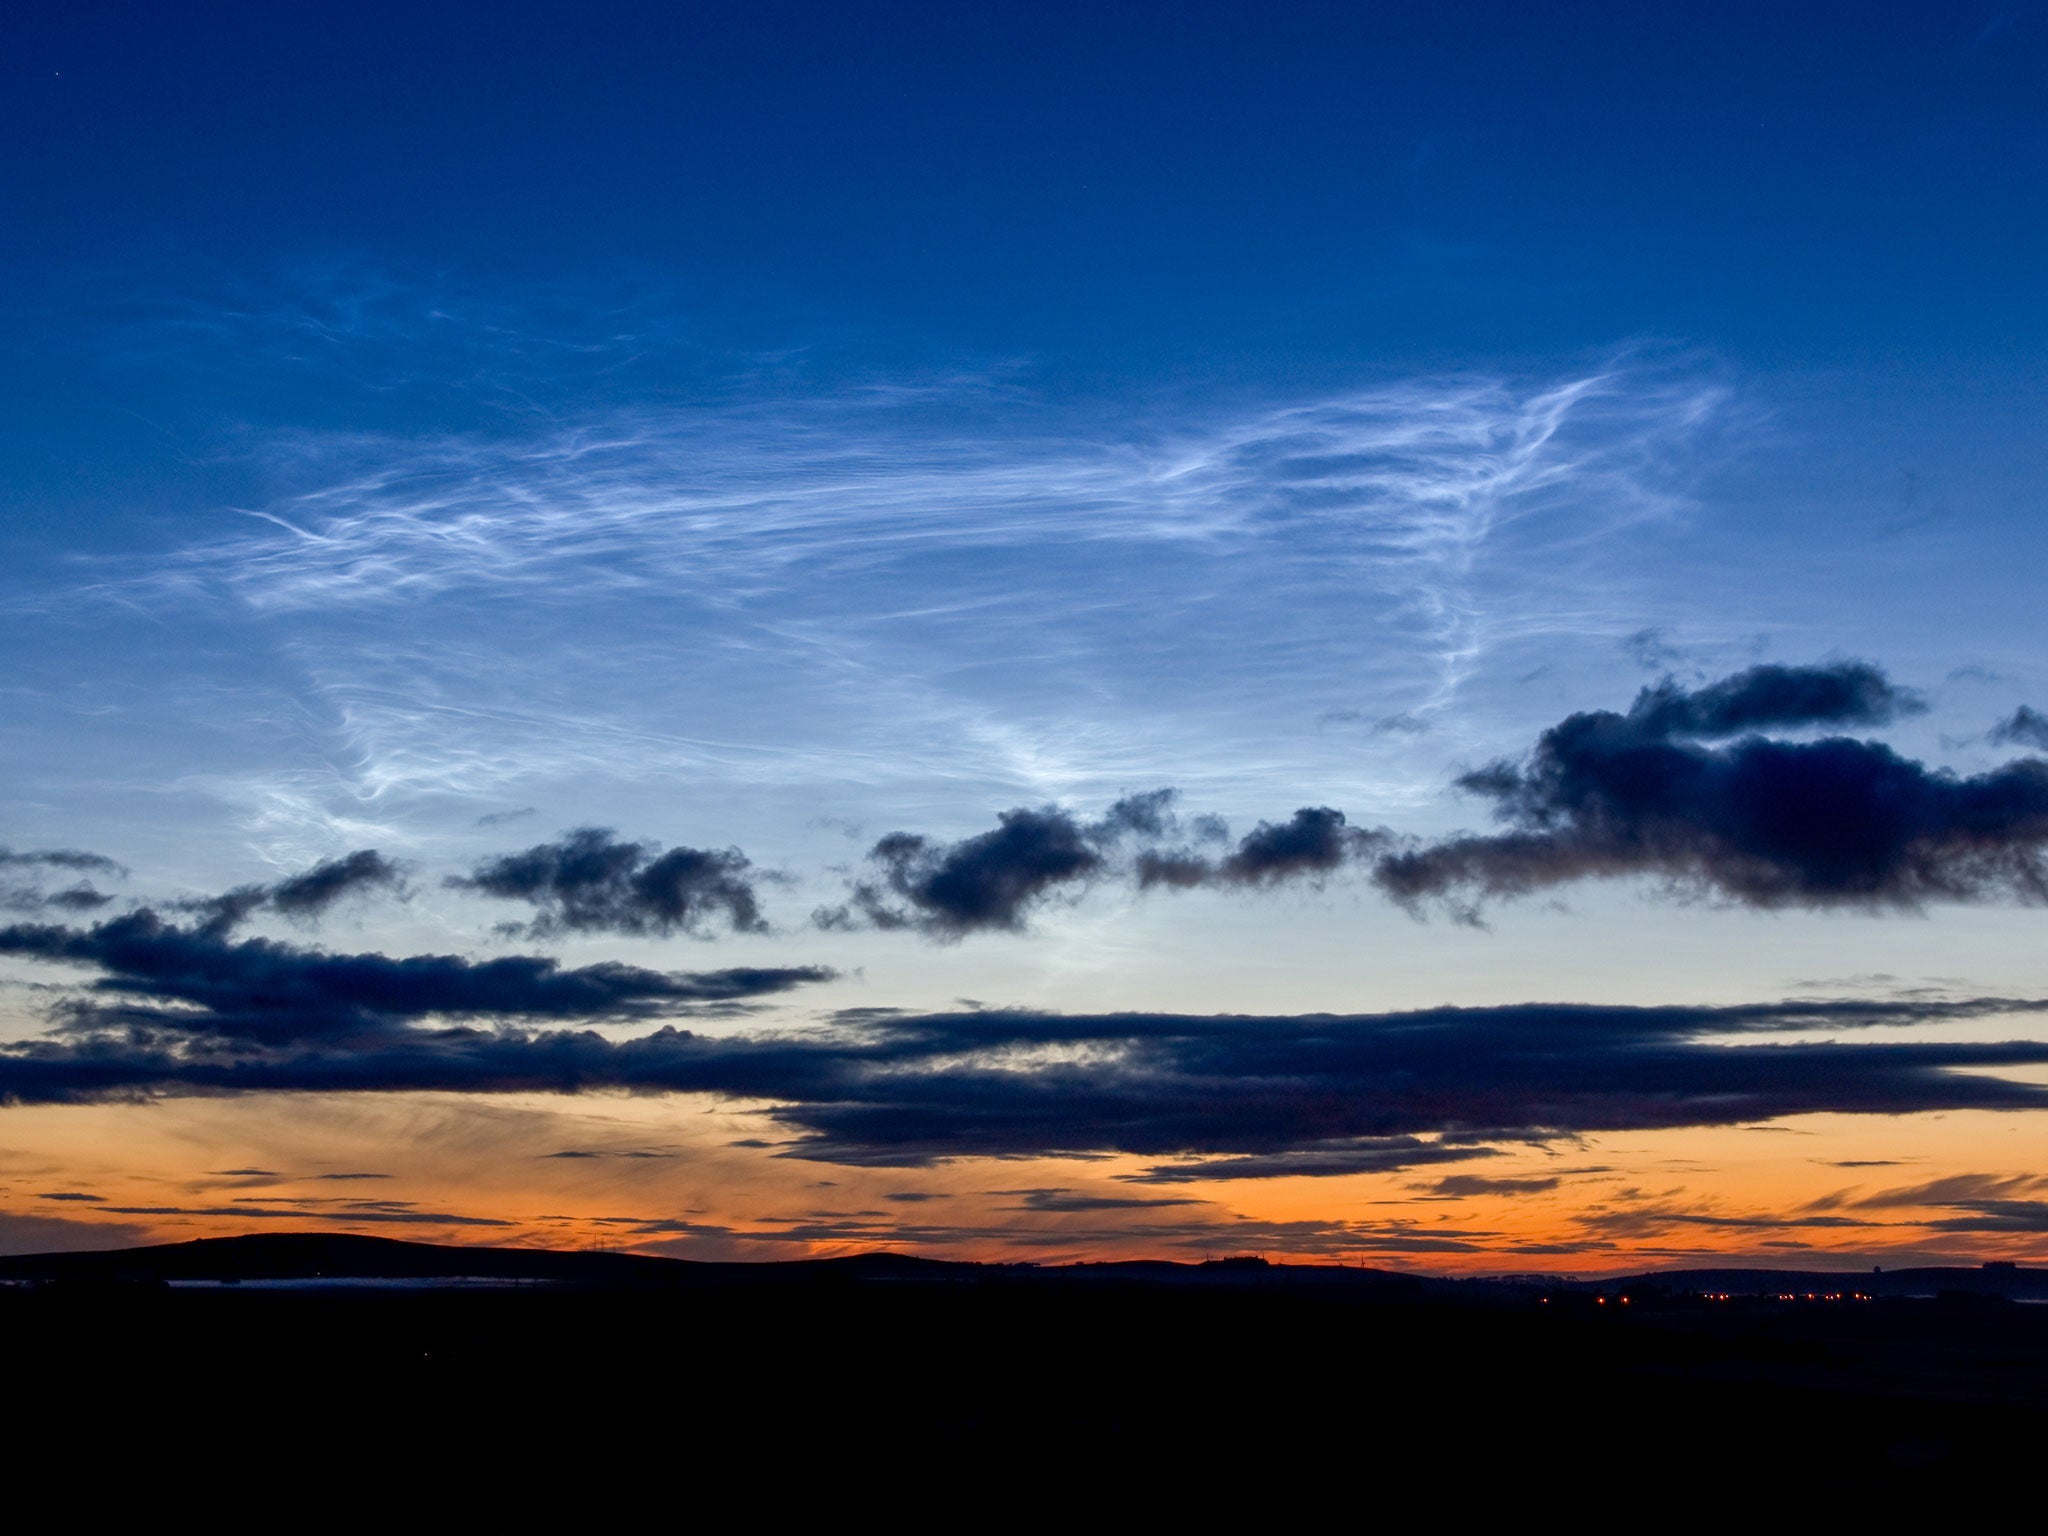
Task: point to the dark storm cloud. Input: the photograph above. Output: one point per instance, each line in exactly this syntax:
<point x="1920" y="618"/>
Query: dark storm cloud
<point x="994" y="880"/>
<point x="592" y="882"/>
<point x="2024" y="727"/>
<point x="324" y="884"/>
<point x="1776" y="698"/>
<point x="1208" y="1097"/>
<point x="1835" y="822"/>
<point x="989" y="881"/>
<point x="1313" y="843"/>
<point x="303" y="896"/>
<point x="160" y="982"/>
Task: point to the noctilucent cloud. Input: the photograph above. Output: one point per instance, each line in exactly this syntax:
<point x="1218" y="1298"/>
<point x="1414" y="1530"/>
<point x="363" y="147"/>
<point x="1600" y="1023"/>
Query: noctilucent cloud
<point x="1397" y="633"/>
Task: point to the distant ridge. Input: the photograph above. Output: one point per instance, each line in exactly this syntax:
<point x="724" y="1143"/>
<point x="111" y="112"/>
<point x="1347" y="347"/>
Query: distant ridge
<point x="329" y="1255"/>
<point x="338" y="1256"/>
<point x="316" y="1257"/>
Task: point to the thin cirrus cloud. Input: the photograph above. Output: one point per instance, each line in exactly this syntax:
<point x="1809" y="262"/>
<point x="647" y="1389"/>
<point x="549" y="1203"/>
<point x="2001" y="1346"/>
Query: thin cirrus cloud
<point x="852" y="585"/>
<point x="1415" y="476"/>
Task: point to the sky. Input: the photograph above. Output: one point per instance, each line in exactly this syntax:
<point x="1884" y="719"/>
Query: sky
<point x="1400" y="634"/>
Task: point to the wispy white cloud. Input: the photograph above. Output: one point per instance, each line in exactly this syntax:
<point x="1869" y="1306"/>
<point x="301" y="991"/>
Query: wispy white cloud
<point x="1409" y="482"/>
<point x="890" y="591"/>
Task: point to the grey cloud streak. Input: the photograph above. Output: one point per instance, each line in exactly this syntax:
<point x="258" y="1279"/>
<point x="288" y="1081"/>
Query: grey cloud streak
<point x="2024" y="727"/>
<point x="80" y="896"/>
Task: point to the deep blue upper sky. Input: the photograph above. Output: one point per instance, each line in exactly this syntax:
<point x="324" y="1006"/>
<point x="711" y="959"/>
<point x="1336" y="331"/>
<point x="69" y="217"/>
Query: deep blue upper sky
<point x="1129" y="189"/>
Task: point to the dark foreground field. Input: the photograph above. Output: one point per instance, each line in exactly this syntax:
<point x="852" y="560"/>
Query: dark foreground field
<point x="891" y="1387"/>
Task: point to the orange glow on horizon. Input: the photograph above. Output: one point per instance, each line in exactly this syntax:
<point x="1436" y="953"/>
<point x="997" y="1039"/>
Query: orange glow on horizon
<point x="676" y="1176"/>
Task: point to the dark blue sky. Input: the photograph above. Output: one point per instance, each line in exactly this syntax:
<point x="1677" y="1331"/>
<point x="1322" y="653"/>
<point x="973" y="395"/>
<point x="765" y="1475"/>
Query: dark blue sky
<point x="1126" y="189"/>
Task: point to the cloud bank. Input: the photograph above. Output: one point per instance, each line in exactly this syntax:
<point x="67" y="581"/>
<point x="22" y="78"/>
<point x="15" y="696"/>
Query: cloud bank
<point x="195" y="992"/>
<point x="1204" y="1098"/>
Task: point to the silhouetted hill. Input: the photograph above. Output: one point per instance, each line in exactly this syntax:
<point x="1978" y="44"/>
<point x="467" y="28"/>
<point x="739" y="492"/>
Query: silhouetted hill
<point x="331" y="1255"/>
<point x="338" y="1256"/>
<point x="994" y="1382"/>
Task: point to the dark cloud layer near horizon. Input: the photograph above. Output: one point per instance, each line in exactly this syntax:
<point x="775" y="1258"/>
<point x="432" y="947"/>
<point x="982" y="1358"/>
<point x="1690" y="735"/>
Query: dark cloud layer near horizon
<point x="181" y="989"/>
<point x="1207" y="1097"/>
<point x="591" y="882"/>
